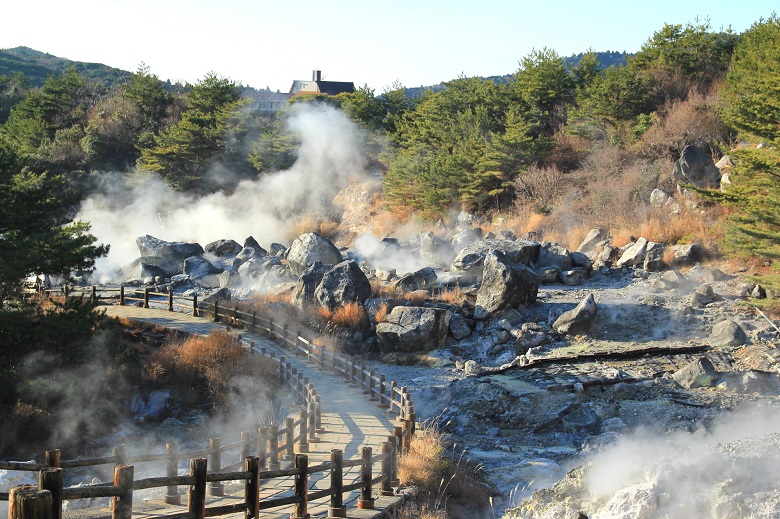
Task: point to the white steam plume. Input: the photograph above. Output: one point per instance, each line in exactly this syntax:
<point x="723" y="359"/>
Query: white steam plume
<point x="328" y="158"/>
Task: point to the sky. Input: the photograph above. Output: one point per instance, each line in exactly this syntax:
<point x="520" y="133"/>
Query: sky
<point x="263" y="43"/>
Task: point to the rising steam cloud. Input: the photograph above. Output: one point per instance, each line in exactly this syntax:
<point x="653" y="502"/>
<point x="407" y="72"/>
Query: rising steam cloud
<point x="328" y="158"/>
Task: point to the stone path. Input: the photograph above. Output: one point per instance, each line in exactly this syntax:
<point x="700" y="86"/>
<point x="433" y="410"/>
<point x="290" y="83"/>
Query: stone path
<point x="349" y="420"/>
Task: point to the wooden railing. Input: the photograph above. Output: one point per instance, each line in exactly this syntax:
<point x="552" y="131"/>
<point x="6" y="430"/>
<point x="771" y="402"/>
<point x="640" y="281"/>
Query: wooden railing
<point x="26" y="502"/>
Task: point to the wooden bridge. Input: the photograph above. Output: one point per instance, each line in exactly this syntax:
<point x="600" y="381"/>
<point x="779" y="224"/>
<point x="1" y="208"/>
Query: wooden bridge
<point x="337" y="459"/>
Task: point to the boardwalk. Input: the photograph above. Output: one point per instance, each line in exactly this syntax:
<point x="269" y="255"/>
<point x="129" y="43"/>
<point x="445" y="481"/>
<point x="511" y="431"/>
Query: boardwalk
<point x="349" y="420"/>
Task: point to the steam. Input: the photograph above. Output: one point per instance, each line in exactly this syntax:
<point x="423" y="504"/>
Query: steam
<point x="683" y="474"/>
<point x="329" y="157"/>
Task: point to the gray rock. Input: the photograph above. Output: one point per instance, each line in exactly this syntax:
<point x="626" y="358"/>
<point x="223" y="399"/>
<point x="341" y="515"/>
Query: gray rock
<point x="464" y="238"/>
<point x="308" y="283"/>
<point x="686" y="255"/>
<point x="342" y="284"/>
<point x="251" y="243"/>
<point x="582" y="419"/>
<point x="176" y="252"/>
<point x="553" y="255"/>
<point x="758" y="292"/>
<point x="592" y="240"/>
<point x="698" y="373"/>
<point x="459" y="327"/>
<point x="578" y="320"/>
<point x="578" y="259"/>
<point x="573" y="277"/>
<point x="251" y="267"/>
<point x="423" y="279"/>
<point x="658" y="198"/>
<point x="654" y="257"/>
<point x="471" y="259"/>
<point x="143" y="268"/>
<point x="695" y="166"/>
<point x="411" y="329"/>
<point x="222" y="248"/>
<point x="228" y="279"/>
<point x="199" y="267"/>
<point x="505" y="284"/>
<point x="634" y="254"/>
<point x="703" y="296"/>
<point x="727" y="333"/>
<point x="384" y="274"/>
<point x="308" y="248"/>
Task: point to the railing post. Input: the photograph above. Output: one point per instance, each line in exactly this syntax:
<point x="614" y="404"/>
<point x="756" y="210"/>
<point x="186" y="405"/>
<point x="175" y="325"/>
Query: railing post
<point x="216" y="310"/>
<point x="303" y="445"/>
<point x="172" y="496"/>
<point x="51" y="480"/>
<point x="398" y="432"/>
<point x="393" y="386"/>
<point x="53" y="458"/>
<point x="300" y="509"/>
<point x="387" y="461"/>
<point x="273" y="447"/>
<point x="194" y="305"/>
<point x="299" y="398"/>
<point x="412" y="420"/>
<point x="93" y="296"/>
<point x="366" y="501"/>
<point x="383" y="402"/>
<point x="371" y="385"/>
<point x="254" y="321"/>
<point x="122" y="506"/>
<point x="170" y="299"/>
<point x="363" y="385"/>
<point x="216" y="488"/>
<point x="323" y="354"/>
<point x="393" y="440"/>
<point x="146" y="297"/>
<point x="312" y="414"/>
<point x="318" y="410"/>
<point x="28" y="502"/>
<point x="290" y="438"/>
<point x="121" y="295"/>
<point x="252" y="487"/>
<point x="337" y="508"/>
<point x="196" y="502"/>
<point x="66" y="290"/>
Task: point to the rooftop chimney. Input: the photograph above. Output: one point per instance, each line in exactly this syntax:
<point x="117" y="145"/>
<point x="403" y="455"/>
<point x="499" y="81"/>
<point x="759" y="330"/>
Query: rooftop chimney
<point x="316" y="75"/>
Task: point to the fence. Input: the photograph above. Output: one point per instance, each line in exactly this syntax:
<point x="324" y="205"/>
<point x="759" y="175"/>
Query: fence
<point x="270" y="443"/>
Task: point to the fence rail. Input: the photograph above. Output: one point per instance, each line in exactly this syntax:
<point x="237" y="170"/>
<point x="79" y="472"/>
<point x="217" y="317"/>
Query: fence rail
<point x="270" y="443"/>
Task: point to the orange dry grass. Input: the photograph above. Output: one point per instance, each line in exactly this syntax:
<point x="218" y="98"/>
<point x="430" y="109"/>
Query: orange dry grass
<point x="452" y="296"/>
<point x="381" y="314"/>
<point x="417" y="297"/>
<point x="351" y="315"/>
<point x="422" y="465"/>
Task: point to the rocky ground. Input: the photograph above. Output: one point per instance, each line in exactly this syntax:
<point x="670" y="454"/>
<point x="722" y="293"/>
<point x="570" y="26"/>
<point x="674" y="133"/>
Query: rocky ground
<point x="545" y="361"/>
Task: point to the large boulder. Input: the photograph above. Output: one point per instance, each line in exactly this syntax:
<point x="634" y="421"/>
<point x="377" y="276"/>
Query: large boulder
<point x="505" y="284"/>
<point x="689" y="254"/>
<point x="654" y="257"/>
<point x="142" y="269"/>
<point x="698" y="373"/>
<point x="727" y="333"/>
<point x="592" y="240"/>
<point x="464" y="238"/>
<point x="169" y="251"/>
<point x="422" y="279"/>
<point x="553" y="255"/>
<point x="578" y="320"/>
<point x="471" y="259"/>
<point x="634" y="255"/>
<point x="695" y="166"/>
<point x="197" y="267"/>
<point x="342" y="284"/>
<point x="308" y="248"/>
<point x="308" y="283"/>
<point x="412" y="328"/>
<point x="223" y="248"/>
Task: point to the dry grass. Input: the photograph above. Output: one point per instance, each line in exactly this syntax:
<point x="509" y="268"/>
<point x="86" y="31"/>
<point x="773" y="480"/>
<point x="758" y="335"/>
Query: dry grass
<point x="351" y="316"/>
<point x="381" y="313"/>
<point x="446" y="481"/>
<point x="311" y="222"/>
<point x="412" y="511"/>
<point x="453" y="296"/>
<point x="416" y="297"/>
<point x="207" y="362"/>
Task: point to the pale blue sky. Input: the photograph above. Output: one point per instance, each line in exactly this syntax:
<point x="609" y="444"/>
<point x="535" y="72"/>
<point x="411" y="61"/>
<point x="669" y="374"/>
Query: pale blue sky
<point x="263" y="43"/>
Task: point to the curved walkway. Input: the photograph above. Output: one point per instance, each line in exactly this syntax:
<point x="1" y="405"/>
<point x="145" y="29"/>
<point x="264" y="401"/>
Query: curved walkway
<point x="349" y="420"/>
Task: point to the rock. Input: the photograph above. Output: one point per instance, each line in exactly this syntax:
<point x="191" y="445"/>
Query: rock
<point x="197" y="267"/>
<point x="727" y="333"/>
<point x="703" y="296"/>
<point x="578" y="320"/>
<point x="758" y="292"/>
<point x="582" y="419"/>
<point x="223" y="294"/>
<point x="459" y="327"/>
<point x="654" y="257"/>
<point x="464" y="238"/>
<point x="308" y="248"/>
<point x="222" y="248"/>
<point x="634" y="254"/>
<point x="695" y="166"/>
<point x="471" y="259"/>
<point x="573" y="277"/>
<point x="698" y="373"/>
<point x="578" y="259"/>
<point x="553" y="255"/>
<point x="384" y="274"/>
<point x="308" y="283"/>
<point x="471" y="367"/>
<point x="228" y="279"/>
<point x="658" y="198"/>
<point x="251" y="243"/>
<point x="686" y="255"/>
<point x="436" y="251"/>
<point x="175" y="252"/>
<point x="592" y="240"/>
<point x="251" y="266"/>
<point x="342" y="284"/>
<point x="143" y="268"/>
<point x="276" y="249"/>
<point x="423" y="279"/>
<point x="670" y="280"/>
<point x="411" y="329"/>
<point x="505" y="284"/>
